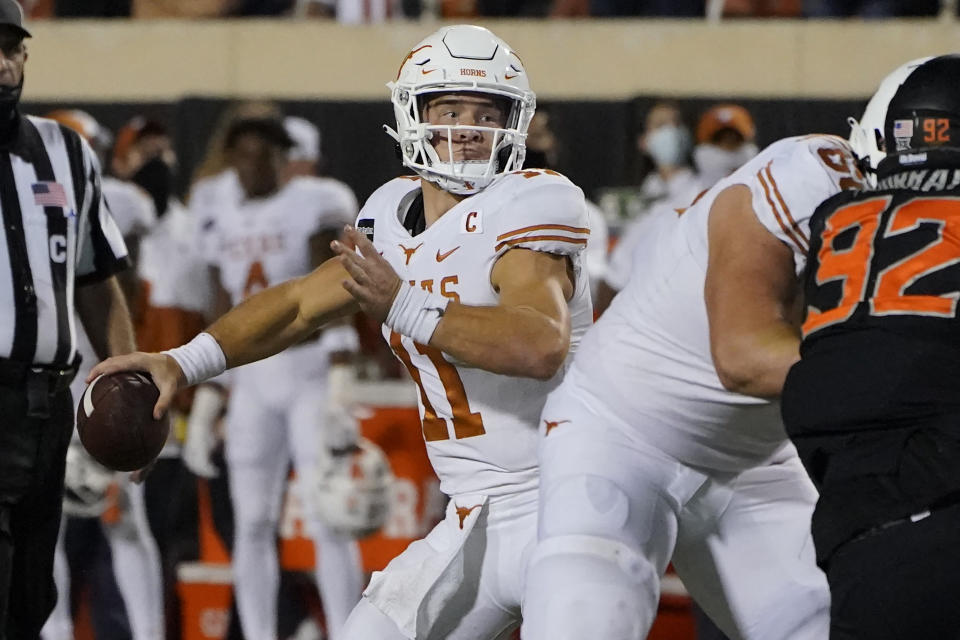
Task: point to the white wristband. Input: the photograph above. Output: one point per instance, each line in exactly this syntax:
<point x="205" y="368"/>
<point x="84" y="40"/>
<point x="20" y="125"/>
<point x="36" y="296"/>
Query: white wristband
<point x="200" y="359"/>
<point x="416" y="313"/>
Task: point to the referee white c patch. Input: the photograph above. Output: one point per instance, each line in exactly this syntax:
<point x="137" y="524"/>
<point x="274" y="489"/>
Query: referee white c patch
<point x="58" y="248"/>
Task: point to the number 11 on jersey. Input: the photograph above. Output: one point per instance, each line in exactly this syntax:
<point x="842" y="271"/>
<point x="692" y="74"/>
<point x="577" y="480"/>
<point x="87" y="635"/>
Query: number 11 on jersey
<point x="466" y="424"/>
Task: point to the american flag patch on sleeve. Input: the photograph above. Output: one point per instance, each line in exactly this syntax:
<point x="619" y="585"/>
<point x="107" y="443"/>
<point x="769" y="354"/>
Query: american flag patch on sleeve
<point x="49" y="194"/>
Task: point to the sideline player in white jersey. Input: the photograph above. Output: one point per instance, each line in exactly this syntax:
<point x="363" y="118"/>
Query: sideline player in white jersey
<point x="665" y="442"/>
<point x="136" y="561"/>
<point x="277" y="407"/>
<point x="482" y="293"/>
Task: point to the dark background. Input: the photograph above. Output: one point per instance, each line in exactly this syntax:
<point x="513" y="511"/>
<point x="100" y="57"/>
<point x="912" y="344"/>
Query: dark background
<point x="597" y="138"/>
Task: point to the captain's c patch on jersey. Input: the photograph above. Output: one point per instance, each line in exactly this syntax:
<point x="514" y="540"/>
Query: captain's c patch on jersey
<point x="472" y="222"/>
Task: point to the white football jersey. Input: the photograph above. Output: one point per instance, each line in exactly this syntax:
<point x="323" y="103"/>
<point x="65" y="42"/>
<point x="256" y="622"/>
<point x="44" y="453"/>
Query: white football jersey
<point x="210" y="198"/>
<point x="171" y="265"/>
<point x="597" y="245"/>
<point x="131" y="206"/>
<point x="480" y="427"/>
<point x="261" y="242"/>
<point x="648" y="359"/>
<point x="264" y="241"/>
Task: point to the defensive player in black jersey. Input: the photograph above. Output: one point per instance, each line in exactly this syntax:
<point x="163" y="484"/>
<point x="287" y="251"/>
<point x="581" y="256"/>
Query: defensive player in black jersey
<point x="873" y="406"/>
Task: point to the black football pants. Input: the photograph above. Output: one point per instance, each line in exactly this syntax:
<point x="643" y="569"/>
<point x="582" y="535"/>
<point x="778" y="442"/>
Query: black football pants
<point x="33" y="453"/>
<point x="901" y="583"/>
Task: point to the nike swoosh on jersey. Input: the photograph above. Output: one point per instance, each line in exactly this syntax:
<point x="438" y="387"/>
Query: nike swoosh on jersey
<point x="443" y="256"/>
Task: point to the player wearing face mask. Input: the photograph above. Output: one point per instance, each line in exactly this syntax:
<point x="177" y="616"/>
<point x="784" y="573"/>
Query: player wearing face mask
<point x="725" y="141"/>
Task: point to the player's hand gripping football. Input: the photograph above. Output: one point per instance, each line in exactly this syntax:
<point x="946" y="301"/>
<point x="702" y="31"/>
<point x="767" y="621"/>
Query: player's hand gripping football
<point x="164" y="370"/>
<point x="374" y="283"/>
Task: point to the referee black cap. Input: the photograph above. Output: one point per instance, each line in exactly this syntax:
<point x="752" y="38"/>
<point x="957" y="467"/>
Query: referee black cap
<point x="11" y="15"/>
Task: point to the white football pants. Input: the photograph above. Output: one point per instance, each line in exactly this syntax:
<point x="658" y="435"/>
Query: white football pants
<point x="263" y="435"/>
<point x="615" y="512"/>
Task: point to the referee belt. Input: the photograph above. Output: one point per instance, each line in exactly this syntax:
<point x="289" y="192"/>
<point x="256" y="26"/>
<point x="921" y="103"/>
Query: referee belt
<point x="40" y="382"/>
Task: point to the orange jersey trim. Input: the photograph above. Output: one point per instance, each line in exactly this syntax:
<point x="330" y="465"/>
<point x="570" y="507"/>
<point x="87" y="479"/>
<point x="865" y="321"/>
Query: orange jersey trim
<point x="776" y="213"/>
<point x="786" y="210"/>
<point x="508" y="243"/>
<point x="540" y="227"/>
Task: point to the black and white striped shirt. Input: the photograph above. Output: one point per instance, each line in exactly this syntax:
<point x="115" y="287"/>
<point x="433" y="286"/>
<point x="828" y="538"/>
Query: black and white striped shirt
<point x="56" y="232"/>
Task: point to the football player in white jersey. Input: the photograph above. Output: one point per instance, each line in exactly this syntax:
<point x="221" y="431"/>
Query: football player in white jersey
<point x="136" y="560"/>
<point x="278" y="231"/>
<point x="664" y="442"/>
<point x="482" y="294"/>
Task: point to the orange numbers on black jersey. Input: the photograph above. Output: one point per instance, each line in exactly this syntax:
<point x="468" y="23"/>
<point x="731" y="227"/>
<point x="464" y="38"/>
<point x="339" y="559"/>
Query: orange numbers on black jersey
<point x="889" y="296"/>
<point x="852" y="265"/>
<point x="849" y="265"/>
<point x="466" y="424"/>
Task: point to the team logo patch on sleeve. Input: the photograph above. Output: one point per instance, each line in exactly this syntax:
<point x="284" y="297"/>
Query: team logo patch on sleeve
<point x="365" y="226"/>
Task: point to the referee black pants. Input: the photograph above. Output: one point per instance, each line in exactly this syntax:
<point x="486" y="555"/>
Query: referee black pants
<point x="33" y="453"/>
<point x="900" y="583"/>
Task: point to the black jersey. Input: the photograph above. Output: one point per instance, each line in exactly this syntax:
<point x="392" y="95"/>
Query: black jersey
<point x="873" y="406"/>
<point x="881" y="335"/>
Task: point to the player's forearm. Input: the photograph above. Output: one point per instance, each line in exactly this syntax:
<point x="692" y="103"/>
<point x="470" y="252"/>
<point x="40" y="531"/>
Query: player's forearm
<point x="262" y="325"/>
<point x="509" y="340"/>
<point x="756" y="362"/>
<point x="283" y="315"/>
<point x="103" y="311"/>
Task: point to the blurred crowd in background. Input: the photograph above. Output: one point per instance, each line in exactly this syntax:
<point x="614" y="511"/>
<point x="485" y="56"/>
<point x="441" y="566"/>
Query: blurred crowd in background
<point x="359" y="11"/>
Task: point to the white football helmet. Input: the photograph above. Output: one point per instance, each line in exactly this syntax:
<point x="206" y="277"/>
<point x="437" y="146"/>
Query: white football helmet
<point x="85" y="484"/>
<point x="351" y="492"/>
<point x="461" y="58"/>
<point x="866" y="136"/>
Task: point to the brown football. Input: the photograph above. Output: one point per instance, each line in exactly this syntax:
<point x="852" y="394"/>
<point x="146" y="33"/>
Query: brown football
<point x="115" y="421"/>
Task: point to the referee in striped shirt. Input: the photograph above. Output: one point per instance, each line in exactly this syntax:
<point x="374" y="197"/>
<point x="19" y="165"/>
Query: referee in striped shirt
<point x="59" y="249"/>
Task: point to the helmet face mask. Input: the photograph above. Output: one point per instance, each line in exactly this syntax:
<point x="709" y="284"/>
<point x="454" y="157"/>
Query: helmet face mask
<point x="470" y="62"/>
<point x="86" y="484"/>
<point x="351" y="494"/>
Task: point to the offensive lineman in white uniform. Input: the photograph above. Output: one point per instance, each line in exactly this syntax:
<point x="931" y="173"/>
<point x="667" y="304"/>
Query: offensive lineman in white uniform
<point x="276" y="409"/>
<point x="664" y="441"/>
<point x="481" y="290"/>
